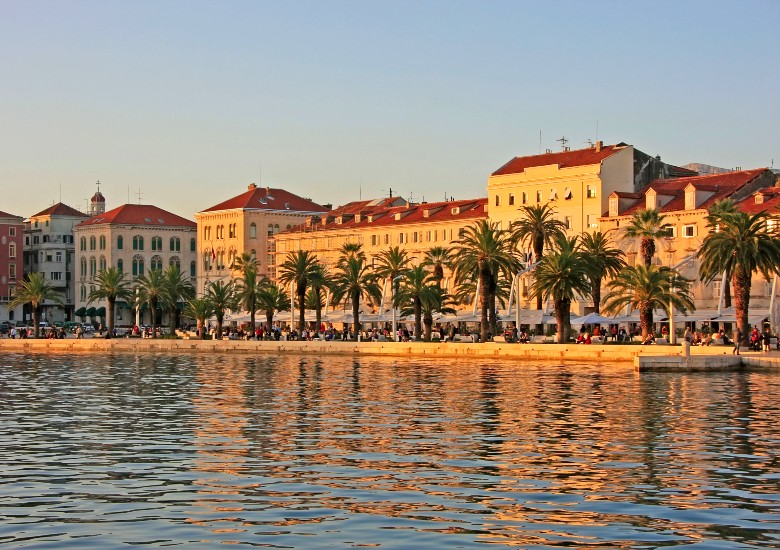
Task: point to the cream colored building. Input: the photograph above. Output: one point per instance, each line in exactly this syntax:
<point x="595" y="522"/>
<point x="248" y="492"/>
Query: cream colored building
<point x="380" y="224"/>
<point x="576" y="183"/>
<point x="684" y="203"/>
<point x="134" y="238"/>
<point x="247" y="223"/>
<point x="49" y="250"/>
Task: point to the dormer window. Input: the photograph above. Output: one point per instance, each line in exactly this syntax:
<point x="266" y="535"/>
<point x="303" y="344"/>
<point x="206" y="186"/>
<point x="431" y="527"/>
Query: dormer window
<point x="759" y="198"/>
<point x="613" y="206"/>
<point x="690" y="199"/>
<point x="650" y="201"/>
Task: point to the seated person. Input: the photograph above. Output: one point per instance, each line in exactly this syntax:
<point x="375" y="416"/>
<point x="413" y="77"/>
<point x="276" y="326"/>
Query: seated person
<point x="523" y="338"/>
<point x="587" y="338"/>
<point x="581" y="338"/>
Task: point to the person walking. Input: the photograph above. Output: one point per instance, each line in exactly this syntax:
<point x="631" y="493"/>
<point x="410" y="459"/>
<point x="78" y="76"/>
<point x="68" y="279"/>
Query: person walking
<point x="737" y="340"/>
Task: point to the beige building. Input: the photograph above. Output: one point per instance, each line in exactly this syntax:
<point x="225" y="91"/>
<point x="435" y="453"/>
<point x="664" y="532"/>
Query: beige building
<point x="381" y="224"/>
<point x="576" y="183"/>
<point x="11" y="250"/>
<point x="134" y="238"/>
<point x="684" y="203"/>
<point x="49" y="250"/>
<point x="247" y="223"/>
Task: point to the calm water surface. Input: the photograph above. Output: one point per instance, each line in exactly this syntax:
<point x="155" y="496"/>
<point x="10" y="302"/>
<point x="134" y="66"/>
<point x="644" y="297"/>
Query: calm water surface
<point x="281" y="452"/>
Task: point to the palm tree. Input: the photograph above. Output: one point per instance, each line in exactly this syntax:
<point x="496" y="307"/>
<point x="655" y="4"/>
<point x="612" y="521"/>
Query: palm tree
<point x="222" y="297"/>
<point x="413" y="285"/>
<point x="178" y="288"/>
<point x="563" y="274"/>
<point x="349" y="250"/>
<point x="716" y="213"/>
<point x="353" y="279"/>
<point x="199" y="309"/>
<point x="483" y="253"/>
<point x="536" y="229"/>
<point x="249" y="285"/>
<point x="111" y="285"/>
<point x="648" y="226"/>
<point x="390" y="264"/>
<point x="34" y="290"/>
<point x="605" y="260"/>
<point x="272" y="299"/>
<point x="152" y="291"/>
<point x="318" y="282"/>
<point x="438" y="258"/>
<point x="297" y="269"/>
<point x="646" y="288"/>
<point x="433" y="300"/>
<point x="739" y="244"/>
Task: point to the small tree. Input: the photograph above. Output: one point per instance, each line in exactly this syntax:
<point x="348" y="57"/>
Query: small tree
<point x="34" y="290"/>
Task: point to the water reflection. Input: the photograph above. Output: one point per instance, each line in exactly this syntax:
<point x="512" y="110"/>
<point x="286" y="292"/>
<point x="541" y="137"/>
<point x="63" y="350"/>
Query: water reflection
<point x="321" y="452"/>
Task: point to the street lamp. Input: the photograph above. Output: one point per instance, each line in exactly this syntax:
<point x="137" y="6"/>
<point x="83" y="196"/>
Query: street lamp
<point x="392" y="305"/>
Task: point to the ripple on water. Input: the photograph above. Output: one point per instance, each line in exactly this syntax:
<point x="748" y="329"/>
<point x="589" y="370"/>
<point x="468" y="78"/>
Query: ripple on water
<point x="288" y="453"/>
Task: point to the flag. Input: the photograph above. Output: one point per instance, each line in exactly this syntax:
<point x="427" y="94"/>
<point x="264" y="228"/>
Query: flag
<point x="213" y="254"/>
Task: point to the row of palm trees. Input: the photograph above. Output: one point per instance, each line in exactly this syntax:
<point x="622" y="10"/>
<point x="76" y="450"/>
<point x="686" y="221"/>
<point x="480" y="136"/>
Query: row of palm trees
<point x="484" y="261"/>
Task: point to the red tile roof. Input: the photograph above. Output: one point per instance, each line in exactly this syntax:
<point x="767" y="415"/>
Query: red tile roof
<point x="7" y="215"/>
<point x="771" y="202"/>
<point x="564" y="159"/>
<point x="383" y="216"/>
<point x="721" y="185"/>
<point x="265" y="198"/>
<point x="60" y="209"/>
<point x="139" y="214"/>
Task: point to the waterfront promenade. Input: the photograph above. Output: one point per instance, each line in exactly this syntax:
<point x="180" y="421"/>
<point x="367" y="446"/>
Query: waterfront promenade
<point x="643" y="358"/>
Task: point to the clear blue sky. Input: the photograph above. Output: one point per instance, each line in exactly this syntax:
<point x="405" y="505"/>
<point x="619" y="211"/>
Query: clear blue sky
<point x="191" y="101"/>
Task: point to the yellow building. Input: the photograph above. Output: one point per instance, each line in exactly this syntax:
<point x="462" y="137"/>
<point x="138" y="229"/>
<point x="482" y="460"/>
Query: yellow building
<point x="247" y="223"/>
<point x="684" y="203"/>
<point x="379" y="225"/>
<point x="576" y="183"/>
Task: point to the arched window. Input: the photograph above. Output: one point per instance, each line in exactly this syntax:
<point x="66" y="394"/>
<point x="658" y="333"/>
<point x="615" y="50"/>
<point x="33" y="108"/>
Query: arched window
<point x="120" y="265"/>
<point x="175" y="244"/>
<point x="270" y="229"/>
<point x="138" y="242"/>
<point x="193" y="245"/>
<point x="83" y="267"/>
<point x="157" y="244"/>
<point x="276" y="229"/>
<point x="120" y="242"/>
<point x="206" y="261"/>
<point x="232" y="258"/>
<point x="92" y="266"/>
<point x="92" y="242"/>
<point x="253" y="253"/>
<point x="102" y="263"/>
<point x="192" y="269"/>
<point x="83" y="243"/>
<point x="83" y="293"/>
<point x="156" y="263"/>
<point x="253" y="230"/>
<point x="175" y="261"/>
<point x="102" y="242"/>
<point x="138" y="266"/>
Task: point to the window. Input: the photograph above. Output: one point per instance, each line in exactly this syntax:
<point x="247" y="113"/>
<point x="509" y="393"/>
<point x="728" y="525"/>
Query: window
<point x="120" y="265"/>
<point x="689" y="231"/>
<point x="12" y="231"/>
<point x="591" y="192"/>
<point x="207" y="233"/>
<point x="55" y="275"/>
<point x="567" y="222"/>
<point x="58" y="256"/>
<point x="36" y="239"/>
<point x="157" y="244"/>
<point x="138" y="266"/>
<point x="270" y="231"/>
<point x="92" y="243"/>
<point x="232" y="231"/>
<point x="716" y="289"/>
<point x="690" y="200"/>
<point x="401" y="238"/>
<point x="12" y="271"/>
<point x="670" y="232"/>
<point x="83" y="271"/>
<point x="193" y="246"/>
<point x="253" y="230"/>
<point x="511" y="199"/>
<point x="387" y="238"/>
<point x="192" y="269"/>
<point x="102" y="242"/>
<point x="102" y="263"/>
<point x="175" y="244"/>
<point x="613" y="206"/>
<point x="92" y="266"/>
<point x="593" y="221"/>
<point x="83" y="293"/>
<point x="156" y="263"/>
<point x="414" y="237"/>
<point x="138" y="242"/>
<point x="498" y="200"/>
<point x="538" y="196"/>
<point x="374" y="240"/>
<point x="12" y="250"/>
<point x="120" y="242"/>
<point x="524" y="197"/>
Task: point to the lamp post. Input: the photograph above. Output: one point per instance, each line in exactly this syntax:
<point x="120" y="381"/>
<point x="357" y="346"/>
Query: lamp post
<point x="392" y="305"/>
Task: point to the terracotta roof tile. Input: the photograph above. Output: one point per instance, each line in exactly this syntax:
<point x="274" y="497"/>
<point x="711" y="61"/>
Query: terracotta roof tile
<point x="7" y="215"/>
<point x="60" y="209"/>
<point x="265" y="198"/>
<point x="564" y="159"/>
<point x="138" y="214"/>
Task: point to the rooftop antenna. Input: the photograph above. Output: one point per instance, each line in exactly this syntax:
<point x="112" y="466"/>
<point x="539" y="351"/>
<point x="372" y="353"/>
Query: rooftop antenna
<point x="128" y="193"/>
<point x="597" y="130"/>
<point x="540" y="141"/>
<point x="589" y="142"/>
<point x="139" y="194"/>
<point x="563" y="141"/>
<point x="61" y="190"/>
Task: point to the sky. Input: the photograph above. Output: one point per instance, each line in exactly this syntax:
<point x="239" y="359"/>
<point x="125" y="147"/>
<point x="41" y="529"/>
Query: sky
<point x="182" y="104"/>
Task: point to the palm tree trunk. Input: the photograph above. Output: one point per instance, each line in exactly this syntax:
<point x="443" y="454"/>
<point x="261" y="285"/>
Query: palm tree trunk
<point x="562" y="317"/>
<point x="646" y="320"/>
<point x="36" y="314"/>
<point x="201" y="329"/>
<point x="318" y="309"/>
<point x="110" y="304"/>
<point x="647" y="250"/>
<point x="356" y="313"/>
<point x="269" y="320"/>
<point x="428" y="324"/>
<point x="417" y="319"/>
<point x="595" y="292"/>
<point x="218" y="334"/>
<point x="484" y="302"/>
<point x="492" y="320"/>
<point x="153" y="306"/>
<point x="742" y="283"/>
<point x="301" y="308"/>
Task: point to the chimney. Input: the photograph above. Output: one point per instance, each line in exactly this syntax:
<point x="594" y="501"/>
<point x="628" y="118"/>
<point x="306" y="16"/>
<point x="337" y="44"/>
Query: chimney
<point x="251" y="187"/>
<point x="599" y="146"/>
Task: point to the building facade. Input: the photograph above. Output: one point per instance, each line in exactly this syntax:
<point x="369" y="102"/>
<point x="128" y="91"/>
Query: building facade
<point x="11" y="263"/>
<point x="49" y="250"/>
<point x="134" y="238"/>
<point x="247" y="223"/>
